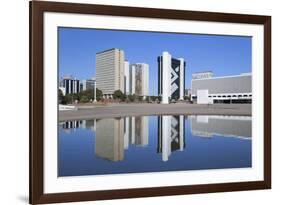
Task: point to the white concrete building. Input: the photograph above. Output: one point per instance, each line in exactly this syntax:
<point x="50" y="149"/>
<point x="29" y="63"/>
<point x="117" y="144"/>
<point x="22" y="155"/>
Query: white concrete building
<point x="110" y="71"/>
<point x="171" y="78"/>
<point x="226" y="89"/>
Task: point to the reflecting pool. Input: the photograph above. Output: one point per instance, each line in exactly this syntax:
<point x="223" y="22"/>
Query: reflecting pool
<point x="153" y="143"/>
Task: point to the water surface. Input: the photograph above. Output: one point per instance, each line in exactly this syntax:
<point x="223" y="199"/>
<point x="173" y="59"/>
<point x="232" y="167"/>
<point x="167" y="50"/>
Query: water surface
<point x="153" y="144"/>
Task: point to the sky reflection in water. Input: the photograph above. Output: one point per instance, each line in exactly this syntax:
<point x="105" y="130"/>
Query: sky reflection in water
<point x="153" y="143"/>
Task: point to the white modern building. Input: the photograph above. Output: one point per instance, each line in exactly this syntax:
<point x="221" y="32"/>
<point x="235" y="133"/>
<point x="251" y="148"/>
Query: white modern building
<point x="206" y="89"/>
<point x="110" y="71"/>
<point x="69" y="85"/>
<point x="171" y="78"/>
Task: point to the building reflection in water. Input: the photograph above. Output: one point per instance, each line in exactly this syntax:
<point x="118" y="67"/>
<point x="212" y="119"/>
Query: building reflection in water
<point x="69" y="126"/>
<point x="171" y="134"/>
<point x="227" y="126"/>
<point x="113" y="136"/>
<point x="110" y="139"/>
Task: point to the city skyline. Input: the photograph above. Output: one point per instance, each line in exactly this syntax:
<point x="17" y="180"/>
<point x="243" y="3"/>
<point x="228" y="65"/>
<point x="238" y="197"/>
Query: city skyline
<point x="224" y="55"/>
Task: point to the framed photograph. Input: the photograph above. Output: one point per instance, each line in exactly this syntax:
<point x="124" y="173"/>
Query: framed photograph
<point x="138" y="102"/>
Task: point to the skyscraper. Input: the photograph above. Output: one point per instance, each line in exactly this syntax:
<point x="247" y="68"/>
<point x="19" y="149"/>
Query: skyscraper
<point x="126" y="77"/>
<point x="110" y="71"/>
<point x="141" y="75"/>
<point x="171" y="77"/>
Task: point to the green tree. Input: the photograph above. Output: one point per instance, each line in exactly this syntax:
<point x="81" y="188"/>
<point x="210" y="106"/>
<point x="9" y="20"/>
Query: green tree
<point x="132" y="98"/>
<point x="99" y="94"/>
<point x="140" y="98"/>
<point x="118" y="94"/>
<point x="153" y="98"/>
<point x="84" y="99"/>
<point x="61" y="97"/>
<point x="86" y="94"/>
<point x="71" y="98"/>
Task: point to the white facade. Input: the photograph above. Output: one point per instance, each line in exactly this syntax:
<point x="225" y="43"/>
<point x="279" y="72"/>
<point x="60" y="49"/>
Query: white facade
<point x="171" y="77"/>
<point x="203" y="97"/>
<point x="166" y="77"/>
<point x="110" y="71"/>
<point x="230" y="89"/>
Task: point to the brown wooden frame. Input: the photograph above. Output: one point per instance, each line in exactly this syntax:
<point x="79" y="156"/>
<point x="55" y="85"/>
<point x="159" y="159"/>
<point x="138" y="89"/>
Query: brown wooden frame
<point x="37" y="9"/>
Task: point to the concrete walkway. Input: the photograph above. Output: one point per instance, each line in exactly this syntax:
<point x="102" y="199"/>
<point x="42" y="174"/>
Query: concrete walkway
<point x="122" y="110"/>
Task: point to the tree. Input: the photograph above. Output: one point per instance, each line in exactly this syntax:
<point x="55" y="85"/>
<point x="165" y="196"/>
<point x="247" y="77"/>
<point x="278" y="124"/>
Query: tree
<point x="99" y="94"/>
<point x="132" y="98"/>
<point x="140" y="98"/>
<point x="153" y="98"/>
<point x="118" y="94"/>
<point x="86" y="94"/>
<point x="71" y="98"/>
<point x="84" y="99"/>
<point x="61" y="97"/>
<point x="187" y="98"/>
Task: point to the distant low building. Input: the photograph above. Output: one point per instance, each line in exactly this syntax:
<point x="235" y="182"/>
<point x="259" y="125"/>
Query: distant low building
<point x="69" y="85"/>
<point x="88" y="84"/>
<point x="207" y="89"/>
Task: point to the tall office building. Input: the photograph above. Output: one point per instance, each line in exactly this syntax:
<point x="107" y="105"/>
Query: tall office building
<point x="140" y="72"/>
<point x="171" y="77"/>
<point x="110" y="71"/>
<point x="70" y="85"/>
<point x="132" y="80"/>
<point x="127" y="77"/>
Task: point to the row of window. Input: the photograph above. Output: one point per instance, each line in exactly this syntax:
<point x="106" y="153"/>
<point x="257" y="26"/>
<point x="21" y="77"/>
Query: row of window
<point x="224" y="96"/>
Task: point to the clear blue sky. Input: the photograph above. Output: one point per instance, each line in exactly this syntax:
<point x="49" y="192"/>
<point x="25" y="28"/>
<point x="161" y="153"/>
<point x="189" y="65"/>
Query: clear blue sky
<point x="224" y="55"/>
